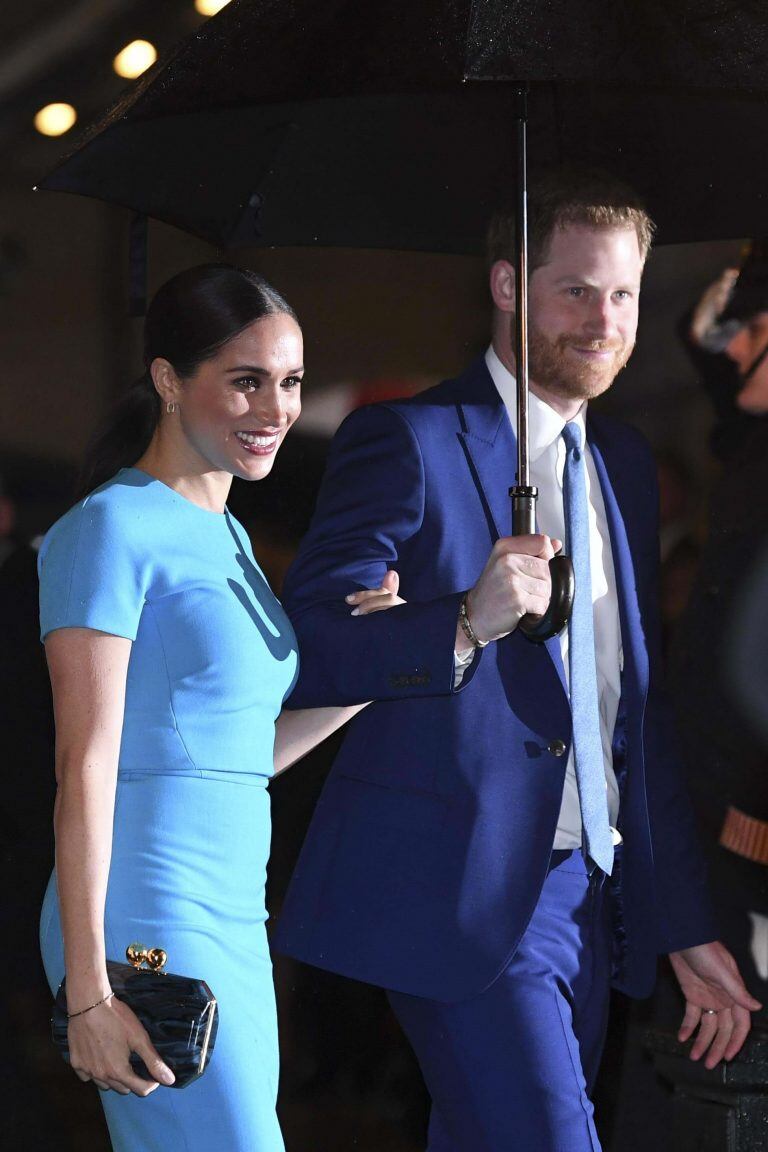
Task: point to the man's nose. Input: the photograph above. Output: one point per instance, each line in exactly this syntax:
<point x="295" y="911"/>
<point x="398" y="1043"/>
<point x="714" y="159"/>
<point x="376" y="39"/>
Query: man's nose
<point x="598" y="322"/>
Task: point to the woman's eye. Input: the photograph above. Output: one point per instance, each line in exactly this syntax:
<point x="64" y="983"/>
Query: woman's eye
<point x="247" y="383"/>
<point x="292" y="381"/>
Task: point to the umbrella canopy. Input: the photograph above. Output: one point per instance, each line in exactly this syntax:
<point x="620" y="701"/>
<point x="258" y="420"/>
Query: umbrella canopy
<point x="391" y="124"/>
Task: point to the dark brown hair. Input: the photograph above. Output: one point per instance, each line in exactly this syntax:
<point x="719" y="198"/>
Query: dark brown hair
<point x="191" y="317"/>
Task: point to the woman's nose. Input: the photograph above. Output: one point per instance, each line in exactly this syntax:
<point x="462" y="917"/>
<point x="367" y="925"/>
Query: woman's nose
<point x="269" y="407"/>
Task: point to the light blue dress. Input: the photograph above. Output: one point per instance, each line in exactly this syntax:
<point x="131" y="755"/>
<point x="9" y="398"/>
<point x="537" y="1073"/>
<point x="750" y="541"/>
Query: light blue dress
<point x="212" y="660"/>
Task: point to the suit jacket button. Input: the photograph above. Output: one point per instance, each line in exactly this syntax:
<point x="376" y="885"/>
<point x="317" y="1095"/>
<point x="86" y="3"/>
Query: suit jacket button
<point x="556" y="747"/>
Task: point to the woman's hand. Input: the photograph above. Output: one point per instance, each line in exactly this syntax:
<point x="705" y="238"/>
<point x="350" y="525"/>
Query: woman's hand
<point x="100" y="1046"/>
<point x="376" y="599"/>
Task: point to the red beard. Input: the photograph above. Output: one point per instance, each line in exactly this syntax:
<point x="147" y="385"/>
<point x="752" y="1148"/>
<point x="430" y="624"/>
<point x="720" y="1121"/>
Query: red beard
<point x="551" y="367"/>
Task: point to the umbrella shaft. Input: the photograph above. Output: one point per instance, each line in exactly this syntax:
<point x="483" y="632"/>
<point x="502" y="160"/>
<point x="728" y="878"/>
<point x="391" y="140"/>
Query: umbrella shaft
<point x="521" y="296"/>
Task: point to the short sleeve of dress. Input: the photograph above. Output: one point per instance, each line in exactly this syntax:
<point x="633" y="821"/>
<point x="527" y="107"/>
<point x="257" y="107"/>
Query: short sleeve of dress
<point x="92" y="574"/>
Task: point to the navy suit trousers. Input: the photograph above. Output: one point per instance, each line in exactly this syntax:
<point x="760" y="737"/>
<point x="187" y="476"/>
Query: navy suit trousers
<point x="513" y="1068"/>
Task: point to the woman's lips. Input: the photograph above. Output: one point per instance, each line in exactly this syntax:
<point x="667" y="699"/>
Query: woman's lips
<point x="259" y="443"/>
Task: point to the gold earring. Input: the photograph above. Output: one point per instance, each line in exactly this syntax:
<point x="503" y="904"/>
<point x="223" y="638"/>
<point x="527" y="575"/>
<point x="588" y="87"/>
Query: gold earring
<point x="170" y="407"/>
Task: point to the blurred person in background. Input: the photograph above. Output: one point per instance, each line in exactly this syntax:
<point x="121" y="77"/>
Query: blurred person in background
<point x="726" y="765"/>
<point x="747" y="669"/>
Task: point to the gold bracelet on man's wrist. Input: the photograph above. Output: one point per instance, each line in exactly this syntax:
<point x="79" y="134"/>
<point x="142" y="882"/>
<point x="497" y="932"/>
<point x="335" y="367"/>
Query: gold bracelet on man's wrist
<point x="466" y="625"/>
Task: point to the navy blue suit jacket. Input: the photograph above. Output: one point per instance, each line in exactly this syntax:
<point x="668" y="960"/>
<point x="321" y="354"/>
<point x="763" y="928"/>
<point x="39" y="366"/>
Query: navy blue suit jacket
<point x="430" y="843"/>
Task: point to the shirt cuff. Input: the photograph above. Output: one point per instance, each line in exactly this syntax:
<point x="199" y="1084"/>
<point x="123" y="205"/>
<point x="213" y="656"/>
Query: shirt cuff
<point x="461" y="661"/>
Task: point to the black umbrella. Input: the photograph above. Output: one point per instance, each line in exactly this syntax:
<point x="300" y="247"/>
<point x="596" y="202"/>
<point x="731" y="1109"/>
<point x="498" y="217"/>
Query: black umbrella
<point x="390" y="124"/>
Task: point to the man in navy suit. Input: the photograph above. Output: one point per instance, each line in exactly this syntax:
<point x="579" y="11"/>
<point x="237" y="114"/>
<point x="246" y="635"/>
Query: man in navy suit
<point x="448" y="860"/>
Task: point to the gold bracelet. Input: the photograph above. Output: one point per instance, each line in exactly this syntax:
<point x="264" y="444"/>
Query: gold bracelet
<point x="71" y="1015"/>
<point x="466" y="625"/>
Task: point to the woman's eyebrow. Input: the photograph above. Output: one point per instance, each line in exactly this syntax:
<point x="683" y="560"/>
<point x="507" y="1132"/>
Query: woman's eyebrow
<point x="256" y="371"/>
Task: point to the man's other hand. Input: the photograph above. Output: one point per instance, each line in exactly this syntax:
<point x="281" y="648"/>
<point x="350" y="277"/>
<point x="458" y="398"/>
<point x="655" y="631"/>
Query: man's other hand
<point x="716" y="1002"/>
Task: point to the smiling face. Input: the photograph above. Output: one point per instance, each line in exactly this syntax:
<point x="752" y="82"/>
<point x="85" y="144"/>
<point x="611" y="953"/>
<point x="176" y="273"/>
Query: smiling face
<point x="745" y="349"/>
<point x="236" y="408"/>
<point x="583" y="307"/>
<point x="582" y="311"/>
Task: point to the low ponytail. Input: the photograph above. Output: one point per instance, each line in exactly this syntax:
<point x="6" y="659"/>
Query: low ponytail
<point x="190" y="319"/>
<point x="123" y="438"/>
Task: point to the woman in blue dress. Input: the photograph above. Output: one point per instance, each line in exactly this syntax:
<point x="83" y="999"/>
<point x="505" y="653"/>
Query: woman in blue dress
<point x="170" y="659"/>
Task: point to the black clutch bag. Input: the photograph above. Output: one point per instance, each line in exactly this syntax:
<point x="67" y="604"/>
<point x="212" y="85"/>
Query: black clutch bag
<point x="178" y="1012"/>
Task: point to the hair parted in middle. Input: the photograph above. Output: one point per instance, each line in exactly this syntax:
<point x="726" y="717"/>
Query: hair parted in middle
<point x="566" y="196"/>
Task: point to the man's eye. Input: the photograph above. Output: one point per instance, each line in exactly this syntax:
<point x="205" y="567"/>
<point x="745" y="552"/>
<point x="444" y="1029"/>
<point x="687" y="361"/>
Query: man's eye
<point x="575" y="293"/>
<point x="623" y="294"/>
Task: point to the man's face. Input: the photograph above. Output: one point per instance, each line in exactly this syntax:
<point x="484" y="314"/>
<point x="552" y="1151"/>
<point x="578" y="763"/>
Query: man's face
<point x="582" y="311"/>
<point x="744" y="349"/>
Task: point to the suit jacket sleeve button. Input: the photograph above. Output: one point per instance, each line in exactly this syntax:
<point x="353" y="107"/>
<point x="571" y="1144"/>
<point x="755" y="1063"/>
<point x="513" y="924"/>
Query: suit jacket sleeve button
<point x="556" y="747"/>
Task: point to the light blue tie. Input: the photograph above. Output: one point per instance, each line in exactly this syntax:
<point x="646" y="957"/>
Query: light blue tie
<point x="587" y="741"/>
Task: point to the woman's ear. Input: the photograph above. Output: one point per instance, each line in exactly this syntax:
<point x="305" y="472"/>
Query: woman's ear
<point x="166" y="382"/>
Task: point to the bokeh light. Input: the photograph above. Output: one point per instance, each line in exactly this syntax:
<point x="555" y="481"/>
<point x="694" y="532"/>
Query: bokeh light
<point x="210" y="7"/>
<point x="134" y="59"/>
<point x="55" y="119"/>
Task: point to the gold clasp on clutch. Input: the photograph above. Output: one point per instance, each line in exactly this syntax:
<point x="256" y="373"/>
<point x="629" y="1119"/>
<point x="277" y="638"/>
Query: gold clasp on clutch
<point x="139" y="956"/>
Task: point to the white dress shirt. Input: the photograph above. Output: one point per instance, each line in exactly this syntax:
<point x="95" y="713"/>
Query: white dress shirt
<point x="547" y="462"/>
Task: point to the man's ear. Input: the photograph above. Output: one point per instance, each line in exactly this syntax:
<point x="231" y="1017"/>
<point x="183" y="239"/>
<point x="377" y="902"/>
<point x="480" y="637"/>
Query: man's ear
<point x="502" y="285"/>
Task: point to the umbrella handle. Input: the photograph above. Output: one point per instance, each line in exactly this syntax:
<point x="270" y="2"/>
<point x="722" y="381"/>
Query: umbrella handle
<point x="541" y="628"/>
<point x="558" y="613"/>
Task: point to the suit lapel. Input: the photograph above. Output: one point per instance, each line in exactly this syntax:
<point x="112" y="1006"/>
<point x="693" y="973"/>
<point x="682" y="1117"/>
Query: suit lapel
<point x="614" y="483"/>
<point x="491" y="449"/>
